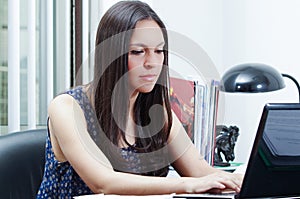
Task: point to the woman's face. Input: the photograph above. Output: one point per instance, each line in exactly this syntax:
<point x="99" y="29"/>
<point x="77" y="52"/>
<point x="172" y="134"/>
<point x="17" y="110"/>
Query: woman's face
<point x="145" y="58"/>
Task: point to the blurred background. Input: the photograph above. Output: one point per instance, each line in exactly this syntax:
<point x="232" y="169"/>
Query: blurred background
<point x="45" y="45"/>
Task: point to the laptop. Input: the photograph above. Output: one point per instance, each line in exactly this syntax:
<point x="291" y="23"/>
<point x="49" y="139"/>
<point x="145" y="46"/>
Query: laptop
<point x="273" y="168"/>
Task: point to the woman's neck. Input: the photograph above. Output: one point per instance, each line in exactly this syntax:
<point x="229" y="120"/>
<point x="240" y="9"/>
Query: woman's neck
<point x="131" y="125"/>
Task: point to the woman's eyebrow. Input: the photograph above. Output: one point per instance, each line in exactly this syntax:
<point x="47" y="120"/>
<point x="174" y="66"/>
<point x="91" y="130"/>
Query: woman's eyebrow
<point x="144" y="45"/>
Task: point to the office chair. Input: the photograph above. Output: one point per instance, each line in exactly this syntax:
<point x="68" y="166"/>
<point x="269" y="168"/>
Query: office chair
<point x="22" y="159"/>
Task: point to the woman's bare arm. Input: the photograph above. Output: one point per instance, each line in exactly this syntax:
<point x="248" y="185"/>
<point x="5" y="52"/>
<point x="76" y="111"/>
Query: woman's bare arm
<point x="67" y="122"/>
<point x="190" y="163"/>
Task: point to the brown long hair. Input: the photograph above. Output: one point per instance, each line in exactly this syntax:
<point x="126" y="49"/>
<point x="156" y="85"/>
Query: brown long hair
<point x="110" y="84"/>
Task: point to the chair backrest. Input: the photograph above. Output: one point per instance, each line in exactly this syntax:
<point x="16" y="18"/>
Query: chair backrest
<point x="22" y="159"/>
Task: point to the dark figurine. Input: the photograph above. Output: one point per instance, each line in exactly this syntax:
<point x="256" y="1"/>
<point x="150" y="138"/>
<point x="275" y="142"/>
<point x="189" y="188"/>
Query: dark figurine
<point x="225" y="143"/>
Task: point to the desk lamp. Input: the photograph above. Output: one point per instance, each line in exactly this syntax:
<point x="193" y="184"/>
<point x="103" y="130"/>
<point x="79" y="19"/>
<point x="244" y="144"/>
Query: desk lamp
<point x="254" y="78"/>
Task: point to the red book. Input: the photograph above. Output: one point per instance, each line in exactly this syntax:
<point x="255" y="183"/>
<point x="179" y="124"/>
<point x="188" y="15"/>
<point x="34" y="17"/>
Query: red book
<point x="182" y="102"/>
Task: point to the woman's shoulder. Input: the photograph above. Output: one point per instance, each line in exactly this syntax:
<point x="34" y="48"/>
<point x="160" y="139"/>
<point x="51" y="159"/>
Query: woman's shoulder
<point x="70" y="100"/>
<point x="62" y="103"/>
<point x="62" y="100"/>
<point x="62" y="111"/>
<point x="67" y="97"/>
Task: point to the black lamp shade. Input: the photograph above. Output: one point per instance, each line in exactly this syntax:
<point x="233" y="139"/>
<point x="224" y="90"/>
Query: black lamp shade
<point x="251" y="78"/>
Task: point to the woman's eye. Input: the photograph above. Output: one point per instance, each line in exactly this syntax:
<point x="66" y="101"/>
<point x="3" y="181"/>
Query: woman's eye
<point x="159" y="51"/>
<point x="136" y="52"/>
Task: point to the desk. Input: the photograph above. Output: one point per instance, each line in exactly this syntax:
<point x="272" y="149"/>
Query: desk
<point x="225" y="195"/>
<point x="102" y="196"/>
<point x="171" y="196"/>
<point x="186" y="196"/>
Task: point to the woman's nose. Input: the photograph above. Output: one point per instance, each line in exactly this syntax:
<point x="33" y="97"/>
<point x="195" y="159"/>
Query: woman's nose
<point x="152" y="60"/>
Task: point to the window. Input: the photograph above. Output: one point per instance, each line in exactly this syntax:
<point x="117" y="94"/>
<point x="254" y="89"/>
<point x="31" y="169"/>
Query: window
<point x="3" y="64"/>
<point x="44" y="47"/>
<point x="34" y="60"/>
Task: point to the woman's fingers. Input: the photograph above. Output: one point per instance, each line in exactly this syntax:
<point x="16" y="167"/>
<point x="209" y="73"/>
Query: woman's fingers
<point x="230" y="180"/>
<point x="215" y="183"/>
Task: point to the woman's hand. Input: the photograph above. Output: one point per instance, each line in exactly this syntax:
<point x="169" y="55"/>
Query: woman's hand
<point x="216" y="183"/>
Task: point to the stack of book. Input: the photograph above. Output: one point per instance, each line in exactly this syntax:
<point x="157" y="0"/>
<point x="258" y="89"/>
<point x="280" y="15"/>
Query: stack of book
<point x="195" y="103"/>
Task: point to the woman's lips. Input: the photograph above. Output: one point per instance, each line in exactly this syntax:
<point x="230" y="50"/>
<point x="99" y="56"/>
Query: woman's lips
<point x="148" y="78"/>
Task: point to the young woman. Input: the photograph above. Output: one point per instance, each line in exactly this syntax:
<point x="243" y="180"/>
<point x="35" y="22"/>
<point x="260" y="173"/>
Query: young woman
<point x="118" y="134"/>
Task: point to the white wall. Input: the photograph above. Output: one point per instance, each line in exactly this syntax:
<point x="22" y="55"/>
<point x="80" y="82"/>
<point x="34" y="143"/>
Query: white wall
<point x="240" y="31"/>
<point x="233" y="32"/>
<point x="199" y="21"/>
<point x="259" y="31"/>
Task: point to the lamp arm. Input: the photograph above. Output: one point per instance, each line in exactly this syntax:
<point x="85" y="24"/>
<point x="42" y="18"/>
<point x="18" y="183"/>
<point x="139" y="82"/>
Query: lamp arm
<point x="295" y="81"/>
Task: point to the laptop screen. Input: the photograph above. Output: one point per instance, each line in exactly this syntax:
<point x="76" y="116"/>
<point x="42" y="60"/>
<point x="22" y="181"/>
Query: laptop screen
<point x="274" y="164"/>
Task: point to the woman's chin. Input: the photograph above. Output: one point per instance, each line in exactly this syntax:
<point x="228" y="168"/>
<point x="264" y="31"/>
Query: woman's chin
<point x="146" y="88"/>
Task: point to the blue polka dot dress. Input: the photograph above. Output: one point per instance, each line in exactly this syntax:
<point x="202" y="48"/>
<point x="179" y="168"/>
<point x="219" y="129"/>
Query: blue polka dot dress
<point x="60" y="179"/>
